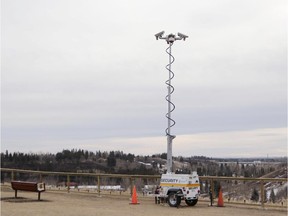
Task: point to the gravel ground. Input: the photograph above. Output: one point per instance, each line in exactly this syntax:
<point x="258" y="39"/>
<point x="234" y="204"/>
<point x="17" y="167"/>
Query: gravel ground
<point x="56" y="203"/>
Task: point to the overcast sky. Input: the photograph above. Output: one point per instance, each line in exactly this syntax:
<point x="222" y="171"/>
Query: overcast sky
<point x="91" y="75"/>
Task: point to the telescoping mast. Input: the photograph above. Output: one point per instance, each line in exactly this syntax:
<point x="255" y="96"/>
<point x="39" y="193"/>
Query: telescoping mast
<point x="170" y="39"/>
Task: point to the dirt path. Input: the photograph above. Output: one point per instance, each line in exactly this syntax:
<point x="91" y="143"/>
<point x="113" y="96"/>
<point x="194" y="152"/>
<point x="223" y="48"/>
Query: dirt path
<point x="61" y="203"/>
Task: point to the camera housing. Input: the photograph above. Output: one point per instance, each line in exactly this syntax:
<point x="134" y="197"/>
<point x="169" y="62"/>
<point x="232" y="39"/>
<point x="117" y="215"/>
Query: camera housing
<point x="159" y="35"/>
<point x="182" y="36"/>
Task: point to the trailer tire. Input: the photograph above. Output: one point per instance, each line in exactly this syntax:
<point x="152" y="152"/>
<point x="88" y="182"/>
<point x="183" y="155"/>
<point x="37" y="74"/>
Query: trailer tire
<point x="173" y="199"/>
<point x="191" y="202"/>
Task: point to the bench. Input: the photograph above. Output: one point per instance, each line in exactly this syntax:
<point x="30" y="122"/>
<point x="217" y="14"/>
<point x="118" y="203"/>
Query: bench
<point x="28" y="186"/>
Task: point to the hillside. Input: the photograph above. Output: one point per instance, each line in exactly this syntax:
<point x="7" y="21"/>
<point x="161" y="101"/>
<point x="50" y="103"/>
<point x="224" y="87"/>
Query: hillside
<point x="119" y="162"/>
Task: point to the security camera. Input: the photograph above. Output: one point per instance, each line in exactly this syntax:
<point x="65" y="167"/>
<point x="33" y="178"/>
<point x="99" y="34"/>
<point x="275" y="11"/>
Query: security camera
<point x="159" y="35"/>
<point x="170" y="38"/>
<point x="182" y="36"/>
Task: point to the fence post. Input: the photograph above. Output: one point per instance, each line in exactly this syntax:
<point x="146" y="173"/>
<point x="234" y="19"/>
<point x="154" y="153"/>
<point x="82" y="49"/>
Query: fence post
<point x="40" y="177"/>
<point x="262" y="193"/>
<point x="212" y="188"/>
<point x="98" y="182"/>
<point x="131" y="185"/>
<point x="12" y="175"/>
<point x="68" y="183"/>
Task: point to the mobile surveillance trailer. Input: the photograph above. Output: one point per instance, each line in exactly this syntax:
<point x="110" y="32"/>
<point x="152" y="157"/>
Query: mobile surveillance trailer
<point x="175" y="187"/>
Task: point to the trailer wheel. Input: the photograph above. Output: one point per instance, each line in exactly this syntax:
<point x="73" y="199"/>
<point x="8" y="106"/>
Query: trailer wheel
<point x="173" y="199"/>
<point x="191" y="202"/>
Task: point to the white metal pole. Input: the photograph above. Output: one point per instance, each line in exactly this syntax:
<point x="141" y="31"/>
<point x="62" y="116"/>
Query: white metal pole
<point x="170" y="40"/>
<point x="169" y="137"/>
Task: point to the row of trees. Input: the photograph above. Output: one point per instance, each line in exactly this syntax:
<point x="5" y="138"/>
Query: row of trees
<point x="116" y="161"/>
<point x="69" y="160"/>
<point x="74" y="154"/>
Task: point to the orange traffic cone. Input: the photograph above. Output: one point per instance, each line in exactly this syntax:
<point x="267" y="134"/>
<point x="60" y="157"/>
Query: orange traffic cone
<point x="134" y="196"/>
<point x="220" y="199"/>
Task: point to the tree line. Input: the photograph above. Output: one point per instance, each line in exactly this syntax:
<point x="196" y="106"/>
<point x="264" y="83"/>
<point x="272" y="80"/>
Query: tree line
<point x="74" y="160"/>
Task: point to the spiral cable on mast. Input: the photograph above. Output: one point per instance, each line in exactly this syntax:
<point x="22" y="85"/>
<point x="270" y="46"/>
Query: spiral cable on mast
<point x="170" y="39"/>
<point x="169" y="86"/>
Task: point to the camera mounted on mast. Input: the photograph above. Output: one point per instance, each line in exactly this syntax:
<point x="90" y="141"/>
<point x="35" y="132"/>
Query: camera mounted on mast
<point x="171" y="37"/>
